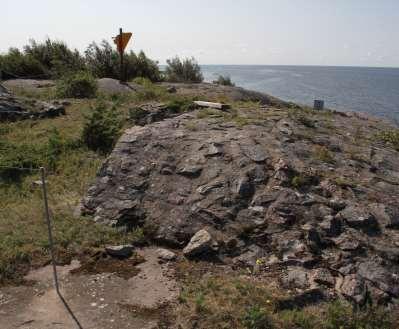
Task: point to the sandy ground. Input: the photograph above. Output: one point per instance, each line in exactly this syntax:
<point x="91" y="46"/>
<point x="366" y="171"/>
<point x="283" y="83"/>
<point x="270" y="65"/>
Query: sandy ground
<point x="98" y="301"/>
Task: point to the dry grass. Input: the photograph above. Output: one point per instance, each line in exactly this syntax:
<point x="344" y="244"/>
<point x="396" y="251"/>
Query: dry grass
<point x="23" y="237"/>
<point x="220" y="299"/>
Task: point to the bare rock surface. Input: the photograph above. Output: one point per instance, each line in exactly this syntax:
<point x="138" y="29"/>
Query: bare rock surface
<point x="16" y="108"/>
<point x="214" y="92"/>
<point x="314" y="192"/>
<point x="98" y="301"/>
<point x="28" y="84"/>
<point x="113" y="86"/>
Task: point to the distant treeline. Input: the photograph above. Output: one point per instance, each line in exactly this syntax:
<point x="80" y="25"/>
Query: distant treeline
<point x="53" y="59"/>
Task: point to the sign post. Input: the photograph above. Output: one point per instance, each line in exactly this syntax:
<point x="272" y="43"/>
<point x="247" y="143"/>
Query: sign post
<point x="121" y="41"/>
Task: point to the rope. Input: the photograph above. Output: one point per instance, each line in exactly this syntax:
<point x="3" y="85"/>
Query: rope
<point x="20" y="168"/>
<point x="25" y="77"/>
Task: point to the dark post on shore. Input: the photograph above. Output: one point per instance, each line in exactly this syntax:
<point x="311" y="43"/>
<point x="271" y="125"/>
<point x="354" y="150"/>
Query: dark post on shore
<point x="318" y="105"/>
<point x="121" y="41"/>
<point x="120" y="46"/>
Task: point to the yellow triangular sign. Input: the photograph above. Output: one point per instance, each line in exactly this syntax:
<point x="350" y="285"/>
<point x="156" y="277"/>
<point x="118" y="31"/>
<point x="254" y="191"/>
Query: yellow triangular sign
<point x="121" y="43"/>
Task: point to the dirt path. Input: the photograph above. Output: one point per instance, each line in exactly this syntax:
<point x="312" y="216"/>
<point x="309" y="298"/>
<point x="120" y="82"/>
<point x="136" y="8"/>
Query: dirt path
<point x="98" y="301"/>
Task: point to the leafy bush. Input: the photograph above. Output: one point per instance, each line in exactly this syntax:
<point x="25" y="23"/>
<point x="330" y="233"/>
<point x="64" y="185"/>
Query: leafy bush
<point x="55" y="56"/>
<point x="341" y="315"/>
<point x="32" y="156"/>
<point x="15" y="64"/>
<point x="55" y="147"/>
<point x="49" y="59"/>
<point x="136" y="114"/>
<point x="102" y="129"/>
<point x="18" y="155"/>
<point x="180" y="105"/>
<point x="53" y="59"/>
<point x="103" y="61"/>
<point x="323" y="154"/>
<point x="257" y="318"/>
<point x="224" y="81"/>
<point x="186" y="70"/>
<point x="142" y="81"/>
<point x="390" y="137"/>
<point x="77" y="85"/>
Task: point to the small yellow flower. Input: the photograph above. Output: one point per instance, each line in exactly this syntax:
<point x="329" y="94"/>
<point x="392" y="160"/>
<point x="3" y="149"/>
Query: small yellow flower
<point x="259" y="262"/>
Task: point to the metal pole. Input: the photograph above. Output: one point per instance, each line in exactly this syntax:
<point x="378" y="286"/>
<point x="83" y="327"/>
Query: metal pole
<point x="122" y="79"/>
<point x="51" y="241"/>
<point x="50" y="233"/>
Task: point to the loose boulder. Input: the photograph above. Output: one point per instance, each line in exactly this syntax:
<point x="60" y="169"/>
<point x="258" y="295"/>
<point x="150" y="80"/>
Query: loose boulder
<point x="122" y="251"/>
<point x="200" y="243"/>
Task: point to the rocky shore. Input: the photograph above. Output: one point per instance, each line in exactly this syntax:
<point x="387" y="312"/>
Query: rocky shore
<point x="309" y="199"/>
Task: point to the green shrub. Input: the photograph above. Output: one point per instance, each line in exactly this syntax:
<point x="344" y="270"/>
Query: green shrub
<point x="15" y="64"/>
<point x="136" y="114"/>
<point x="55" y="148"/>
<point x="341" y="315"/>
<point x="103" y="61"/>
<point x="323" y="154"/>
<point x="224" y="81"/>
<point x="18" y="155"/>
<point x="77" y="85"/>
<point x="49" y="59"/>
<point x="53" y="59"/>
<point x="186" y="70"/>
<point x="390" y="137"/>
<point x="257" y="318"/>
<point x="102" y="129"/>
<point x="55" y="56"/>
<point x="142" y="81"/>
<point x="180" y="105"/>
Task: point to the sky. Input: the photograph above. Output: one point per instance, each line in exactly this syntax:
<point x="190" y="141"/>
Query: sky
<point x="273" y="32"/>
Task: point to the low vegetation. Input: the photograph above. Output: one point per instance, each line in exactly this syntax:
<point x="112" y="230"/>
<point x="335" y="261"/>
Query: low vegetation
<point x="322" y="153"/>
<point x="224" y="81"/>
<point x="72" y="148"/>
<point x="77" y="85"/>
<point x="231" y="301"/>
<point x="102" y="128"/>
<point x="53" y="59"/>
<point x="390" y="137"/>
<point x="103" y="61"/>
<point x="186" y="70"/>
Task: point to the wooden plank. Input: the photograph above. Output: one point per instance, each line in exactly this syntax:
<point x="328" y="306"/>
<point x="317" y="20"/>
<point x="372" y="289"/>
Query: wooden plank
<point x="218" y="106"/>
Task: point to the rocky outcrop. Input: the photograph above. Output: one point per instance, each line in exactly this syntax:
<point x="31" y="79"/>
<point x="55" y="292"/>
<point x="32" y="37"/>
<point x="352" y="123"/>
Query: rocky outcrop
<point x="318" y="203"/>
<point x="214" y="92"/>
<point x="14" y="108"/>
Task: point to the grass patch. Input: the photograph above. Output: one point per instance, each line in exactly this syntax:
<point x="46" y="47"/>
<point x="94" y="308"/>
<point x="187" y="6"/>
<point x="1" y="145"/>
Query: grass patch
<point x="389" y="137"/>
<point x="322" y="153"/>
<point x="344" y="183"/>
<point x="304" y="117"/>
<point x="228" y="301"/>
<point x="55" y="144"/>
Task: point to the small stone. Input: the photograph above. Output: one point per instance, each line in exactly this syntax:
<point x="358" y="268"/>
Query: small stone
<point x="255" y="152"/>
<point x="215" y="149"/>
<point x="201" y="242"/>
<point x="190" y="171"/>
<point x="331" y="226"/>
<point x="122" y="251"/>
<point x="165" y="255"/>
<point x="244" y="188"/>
<point x="171" y="90"/>
<point x="353" y="288"/>
<point x="297" y="278"/>
<point x="324" y="277"/>
<point x="357" y="217"/>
